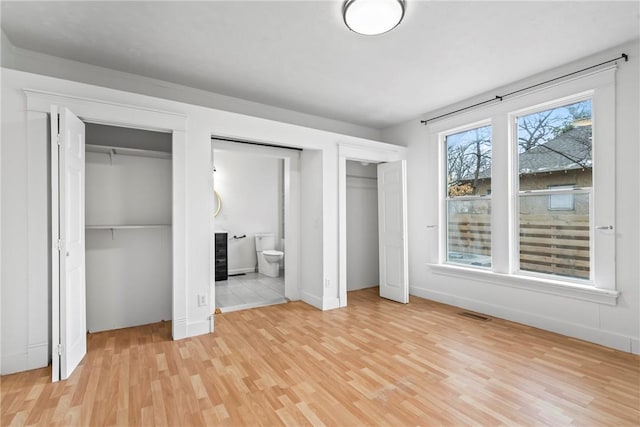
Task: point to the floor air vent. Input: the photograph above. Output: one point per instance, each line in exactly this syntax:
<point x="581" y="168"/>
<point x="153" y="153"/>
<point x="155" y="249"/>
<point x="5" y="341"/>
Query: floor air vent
<point x="474" y="316"/>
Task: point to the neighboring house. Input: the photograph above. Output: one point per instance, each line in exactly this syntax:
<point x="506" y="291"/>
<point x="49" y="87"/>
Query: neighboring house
<point x="568" y="151"/>
<point x="562" y="161"/>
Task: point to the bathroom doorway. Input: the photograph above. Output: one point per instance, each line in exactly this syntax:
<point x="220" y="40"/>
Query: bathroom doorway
<point x="256" y="224"/>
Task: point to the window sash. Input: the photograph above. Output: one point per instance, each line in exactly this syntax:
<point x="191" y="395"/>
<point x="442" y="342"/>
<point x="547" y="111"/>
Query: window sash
<point x="447" y="199"/>
<point x="516" y="240"/>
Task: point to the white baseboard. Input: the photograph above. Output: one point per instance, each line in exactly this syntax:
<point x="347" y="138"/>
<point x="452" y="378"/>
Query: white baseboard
<point x="179" y="329"/>
<point x="12" y="363"/>
<point x="311" y="299"/>
<point x="198" y="328"/>
<point x="38" y="355"/>
<point x="242" y="270"/>
<point x="330" y="304"/>
<point x="597" y="336"/>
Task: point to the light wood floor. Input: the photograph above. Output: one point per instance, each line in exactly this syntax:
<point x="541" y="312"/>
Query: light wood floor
<point x="373" y="363"/>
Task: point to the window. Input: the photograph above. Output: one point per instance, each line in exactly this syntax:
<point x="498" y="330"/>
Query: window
<point x="528" y="191"/>
<point x="562" y="201"/>
<point x="555" y="146"/>
<point x="468" y="202"/>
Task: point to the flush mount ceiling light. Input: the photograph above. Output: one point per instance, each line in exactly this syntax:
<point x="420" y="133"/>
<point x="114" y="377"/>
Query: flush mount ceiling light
<point x="371" y="17"/>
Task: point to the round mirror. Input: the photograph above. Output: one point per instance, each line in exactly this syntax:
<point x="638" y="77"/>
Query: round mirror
<point x="217" y="204"/>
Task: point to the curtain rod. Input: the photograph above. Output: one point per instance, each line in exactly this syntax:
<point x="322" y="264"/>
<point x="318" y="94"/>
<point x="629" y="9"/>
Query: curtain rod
<point x="500" y="97"/>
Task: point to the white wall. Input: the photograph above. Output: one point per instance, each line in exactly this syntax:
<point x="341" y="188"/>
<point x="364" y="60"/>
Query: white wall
<point x="15" y="243"/>
<point x="615" y="326"/>
<point x="128" y="277"/>
<point x="35" y="62"/>
<point x="362" y="226"/>
<point x="117" y="136"/>
<point x="128" y="271"/>
<point x="6" y="51"/>
<point x="24" y="229"/>
<point x="251" y="190"/>
<point x="311" y="220"/>
<point x="127" y="190"/>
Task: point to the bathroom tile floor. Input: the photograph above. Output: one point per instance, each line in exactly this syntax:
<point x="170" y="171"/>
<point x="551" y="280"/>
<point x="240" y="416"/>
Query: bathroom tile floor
<point x="248" y="291"/>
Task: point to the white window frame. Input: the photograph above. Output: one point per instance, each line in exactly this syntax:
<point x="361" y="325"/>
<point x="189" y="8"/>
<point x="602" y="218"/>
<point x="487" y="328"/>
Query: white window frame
<point x="444" y="196"/>
<point x="597" y="84"/>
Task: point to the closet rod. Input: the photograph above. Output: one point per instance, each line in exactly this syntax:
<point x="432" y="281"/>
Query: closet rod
<point x="124" y="151"/>
<point x="126" y="227"/>
<point x="363" y="177"/>
<point x="112" y="228"/>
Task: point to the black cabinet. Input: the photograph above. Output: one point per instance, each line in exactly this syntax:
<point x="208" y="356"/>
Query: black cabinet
<point x="222" y="272"/>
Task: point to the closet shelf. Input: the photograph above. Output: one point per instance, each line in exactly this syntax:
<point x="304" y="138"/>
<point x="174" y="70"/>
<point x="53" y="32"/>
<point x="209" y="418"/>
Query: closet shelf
<point x="120" y="227"/>
<point x="111" y="150"/>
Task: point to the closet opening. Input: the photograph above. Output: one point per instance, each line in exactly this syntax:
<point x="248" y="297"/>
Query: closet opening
<point x="115" y="206"/>
<point x="128" y="221"/>
<point x="362" y="226"/>
<point x="355" y="167"/>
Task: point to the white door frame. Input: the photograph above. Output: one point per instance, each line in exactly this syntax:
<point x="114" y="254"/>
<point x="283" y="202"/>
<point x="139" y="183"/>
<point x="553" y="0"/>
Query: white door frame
<point x="291" y="208"/>
<point x="359" y="154"/>
<point x="115" y="114"/>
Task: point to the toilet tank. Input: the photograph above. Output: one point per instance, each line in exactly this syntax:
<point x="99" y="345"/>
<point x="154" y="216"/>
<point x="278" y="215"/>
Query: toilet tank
<point x="265" y="241"/>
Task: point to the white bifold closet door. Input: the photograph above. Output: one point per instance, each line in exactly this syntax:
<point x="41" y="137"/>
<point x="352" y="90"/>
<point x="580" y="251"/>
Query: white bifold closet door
<point x="69" y="332"/>
<point x="392" y="231"/>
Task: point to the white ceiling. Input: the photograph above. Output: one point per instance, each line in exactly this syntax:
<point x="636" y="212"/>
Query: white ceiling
<point x="299" y="55"/>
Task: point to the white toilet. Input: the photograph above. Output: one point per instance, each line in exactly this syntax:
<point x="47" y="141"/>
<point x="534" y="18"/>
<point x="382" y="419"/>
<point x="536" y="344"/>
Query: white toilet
<point x="268" y="258"/>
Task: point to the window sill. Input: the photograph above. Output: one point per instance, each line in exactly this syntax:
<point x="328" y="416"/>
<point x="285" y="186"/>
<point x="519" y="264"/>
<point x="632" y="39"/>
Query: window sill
<point x="554" y="287"/>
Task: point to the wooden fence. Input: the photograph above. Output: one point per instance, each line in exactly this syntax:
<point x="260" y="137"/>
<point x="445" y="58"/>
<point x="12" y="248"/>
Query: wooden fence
<point x="553" y="244"/>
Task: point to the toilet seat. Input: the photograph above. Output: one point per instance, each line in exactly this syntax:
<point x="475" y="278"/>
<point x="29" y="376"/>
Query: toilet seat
<point x="272" y="252"/>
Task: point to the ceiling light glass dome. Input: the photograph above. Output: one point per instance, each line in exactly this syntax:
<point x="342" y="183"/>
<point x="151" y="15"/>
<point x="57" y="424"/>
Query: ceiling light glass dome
<point x="371" y="17"/>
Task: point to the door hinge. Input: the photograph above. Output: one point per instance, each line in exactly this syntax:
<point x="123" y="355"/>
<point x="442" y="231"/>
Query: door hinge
<point x="60" y="349"/>
<point x="59" y="245"/>
<point x="59" y="139"/>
